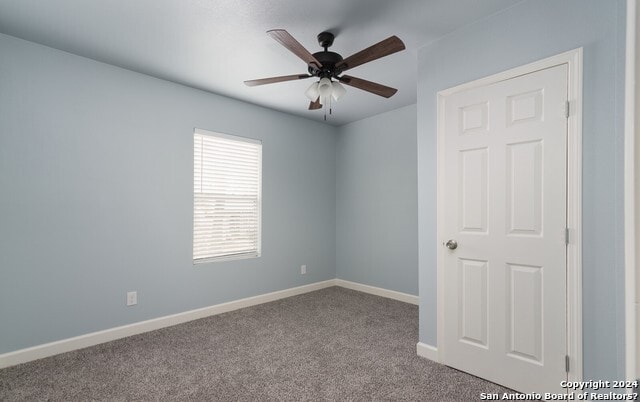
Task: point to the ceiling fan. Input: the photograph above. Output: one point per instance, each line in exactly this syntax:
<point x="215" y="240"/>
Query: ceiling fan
<point x="328" y="66"/>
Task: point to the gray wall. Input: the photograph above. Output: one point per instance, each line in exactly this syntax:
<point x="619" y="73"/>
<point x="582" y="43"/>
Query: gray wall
<point x="376" y="201"/>
<point x="529" y="31"/>
<point x="96" y="199"/>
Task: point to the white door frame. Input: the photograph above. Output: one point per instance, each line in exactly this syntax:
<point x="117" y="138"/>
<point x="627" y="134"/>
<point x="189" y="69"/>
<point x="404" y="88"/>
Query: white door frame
<point x="573" y="60"/>
<point x="631" y="191"/>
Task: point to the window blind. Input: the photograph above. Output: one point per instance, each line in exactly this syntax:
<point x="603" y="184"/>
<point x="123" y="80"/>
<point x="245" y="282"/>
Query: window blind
<point x="227" y="196"/>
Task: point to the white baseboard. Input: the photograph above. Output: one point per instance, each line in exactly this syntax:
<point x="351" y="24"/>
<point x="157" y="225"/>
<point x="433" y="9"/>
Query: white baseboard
<point x="391" y="294"/>
<point x="427" y="351"/>
<point x="111" y="334"/>
<point x="95" y="338"/>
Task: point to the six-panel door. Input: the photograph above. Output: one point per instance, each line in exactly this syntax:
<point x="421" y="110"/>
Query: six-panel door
<point x="505" y="205"/>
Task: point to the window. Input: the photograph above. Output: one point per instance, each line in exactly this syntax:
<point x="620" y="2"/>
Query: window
<point x="227" y="183"/>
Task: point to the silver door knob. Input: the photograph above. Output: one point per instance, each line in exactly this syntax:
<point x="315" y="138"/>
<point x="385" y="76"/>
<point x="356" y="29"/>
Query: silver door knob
<point x="451" y="244"/>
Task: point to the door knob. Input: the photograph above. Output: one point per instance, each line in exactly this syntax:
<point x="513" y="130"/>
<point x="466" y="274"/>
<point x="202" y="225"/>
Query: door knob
<point x="451" y="244"/>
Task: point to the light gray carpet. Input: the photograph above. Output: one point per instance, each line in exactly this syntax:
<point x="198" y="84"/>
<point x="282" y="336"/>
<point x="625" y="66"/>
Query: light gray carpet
<point x="333" y="344"/>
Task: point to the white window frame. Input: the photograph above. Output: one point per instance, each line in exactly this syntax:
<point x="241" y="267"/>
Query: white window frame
<point x="239" y="256"/>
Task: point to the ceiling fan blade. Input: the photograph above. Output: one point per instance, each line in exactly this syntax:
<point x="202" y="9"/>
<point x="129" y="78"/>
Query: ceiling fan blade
<point x="285" y="39"/>
<point x="315" y="104"/>
<point x="383" y="48"/>
<point x="368" y="86"/>
<point x="272" y="80"/>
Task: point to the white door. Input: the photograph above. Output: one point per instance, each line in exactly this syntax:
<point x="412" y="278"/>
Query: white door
<point x="505" y="150"/>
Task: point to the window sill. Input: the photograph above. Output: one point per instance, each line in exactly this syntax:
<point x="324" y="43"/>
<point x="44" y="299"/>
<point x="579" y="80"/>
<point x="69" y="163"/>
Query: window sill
<point x="226" y="258"/>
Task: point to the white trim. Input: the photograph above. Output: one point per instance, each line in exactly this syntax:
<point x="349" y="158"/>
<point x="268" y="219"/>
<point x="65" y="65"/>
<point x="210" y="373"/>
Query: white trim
<point x="390" y="294"/>
<point x="573" y="60"/>
<point x="427" y="351"/>
<point x="574" y="216"/>
<point x="228" y="257"/>
<point x="233" y="137"/>
<point x="630" y="189"/>
<point x="111" y="334"/>
<point x="95" y="338"/>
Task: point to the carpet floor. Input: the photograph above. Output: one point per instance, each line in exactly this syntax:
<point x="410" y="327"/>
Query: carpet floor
<point x="333" y="344"/>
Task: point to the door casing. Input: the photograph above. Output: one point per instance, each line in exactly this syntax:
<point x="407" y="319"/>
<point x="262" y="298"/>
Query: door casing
<point x="632" y="193"/>
<point x="573" y="60"/>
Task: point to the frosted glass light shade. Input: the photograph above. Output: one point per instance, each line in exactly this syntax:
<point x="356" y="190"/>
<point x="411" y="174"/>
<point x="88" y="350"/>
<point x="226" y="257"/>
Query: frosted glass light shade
<point x="337" y="90"/>
<point x="324" y="87"/>
<point x="312" y="93"/>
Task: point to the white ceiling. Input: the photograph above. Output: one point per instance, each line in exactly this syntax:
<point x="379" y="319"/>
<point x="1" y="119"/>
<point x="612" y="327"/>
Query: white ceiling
<point x="215" y="45"/>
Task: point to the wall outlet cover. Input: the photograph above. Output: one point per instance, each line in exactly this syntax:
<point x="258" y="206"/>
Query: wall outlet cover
<point x="132" y="298"/>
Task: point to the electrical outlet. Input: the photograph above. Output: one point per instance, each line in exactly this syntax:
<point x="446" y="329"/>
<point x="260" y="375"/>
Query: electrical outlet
<point x="303" y="269"/>
<point x="132" y="298"/>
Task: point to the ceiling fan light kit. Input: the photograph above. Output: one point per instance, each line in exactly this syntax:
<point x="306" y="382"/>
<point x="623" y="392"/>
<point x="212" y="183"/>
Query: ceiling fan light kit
<point x="312" y="93"/>
<point x="337" y="90"/>
<point x="329" y="66"/>
<point x="324" y="87"/>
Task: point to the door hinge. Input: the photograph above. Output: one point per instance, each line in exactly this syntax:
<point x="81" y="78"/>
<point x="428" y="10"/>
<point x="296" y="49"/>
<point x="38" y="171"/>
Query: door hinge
<point x="566" y="235"/>
<point x="566" y="363"/>
<point x="567" y="109"/>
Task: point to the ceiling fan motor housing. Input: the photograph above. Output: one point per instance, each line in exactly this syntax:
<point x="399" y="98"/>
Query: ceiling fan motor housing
<point x="329" y="61"/>
<point x="326" y="58"/>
